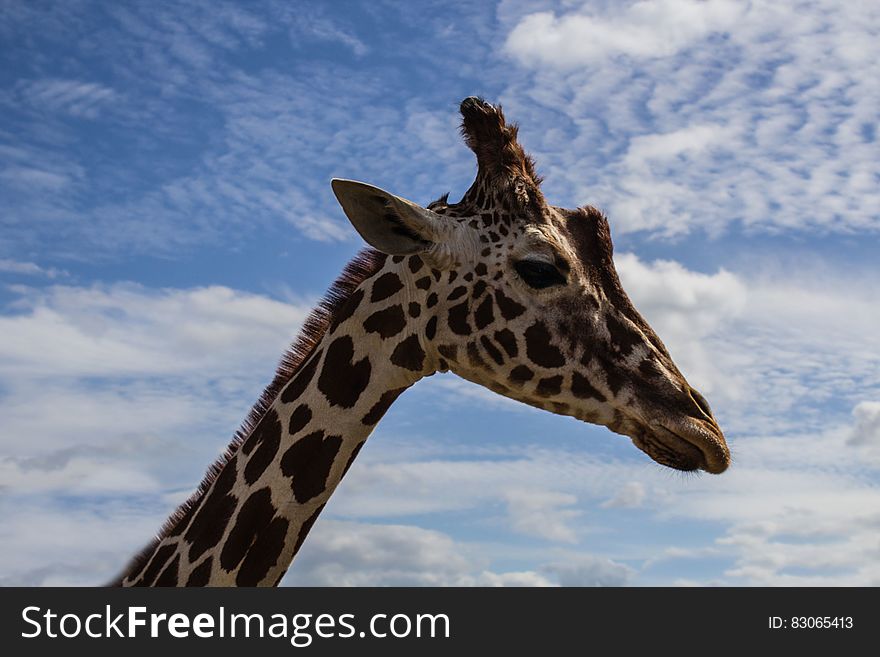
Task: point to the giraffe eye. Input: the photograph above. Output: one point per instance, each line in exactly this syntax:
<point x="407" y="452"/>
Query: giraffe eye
<point x="539" y="274"/>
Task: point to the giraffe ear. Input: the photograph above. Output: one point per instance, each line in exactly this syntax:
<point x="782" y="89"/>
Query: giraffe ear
<point x="387" y="222"/>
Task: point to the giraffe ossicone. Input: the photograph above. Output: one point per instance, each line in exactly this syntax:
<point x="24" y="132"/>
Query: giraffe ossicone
<point x="501" y="288"/>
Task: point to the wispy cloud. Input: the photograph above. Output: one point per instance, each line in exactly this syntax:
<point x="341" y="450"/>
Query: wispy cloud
<point x="629" y="496"/>
<point x="127" y="329"/>
<point x="356" y="554"/>
<point x="542" y="513"/>
<point x="310" y="25"/>
<point x="254" y="161"/>
<point x="74" y="97"/>
<point x="768" y="347"/>
<point x="805" y="499"/>
<point x="587" y="570"/>
<point x="639" y="30"/>
<point x="100" y="384"/>
<point x="28" y="269"/>
<point x="867" y="424"/>
<point x="132" y="132"/>
<point x="132" y="374"/>
<point x="682" y="115"/>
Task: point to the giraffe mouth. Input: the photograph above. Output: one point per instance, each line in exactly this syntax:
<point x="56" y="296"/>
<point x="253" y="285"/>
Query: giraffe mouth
<point x="690" y="447"/>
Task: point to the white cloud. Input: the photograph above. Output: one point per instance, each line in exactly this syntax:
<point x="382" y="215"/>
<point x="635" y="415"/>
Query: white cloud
<point x="354" y="554"/>
<point x="641" y="29"/>
<point x="357" y="554"/>
<point x="798" y="509"/>
<point x="325" y="29"/>
<point x="86" y="472"/>
<point x="457" y="390"/>
<point x="682" y="300"/>
<point x="542" y="513"/>
<point x="692" y="139"/>
<point x="524" y="578"/>
<point x="31" y="177"/>
<point x="100" y="385"/>
<point x="678" y="116"/>
<point x="588" y="570"/>
<point x="867" y="426"/>
<point x="762" y="343"/>
<point x="128" y="329"/>
<point x="76" y="97"/>
<point x="28" y="269"/>
<point x="630" y="496"/>
<point x="132" y="374"/>
<point x="661" y="113"/>
<point x="50" y="543"/>
<point x="381" y="487"/>
<point x="795" y="508"/>
<point x="127" y="374"/>
<point x="236" y="169"/>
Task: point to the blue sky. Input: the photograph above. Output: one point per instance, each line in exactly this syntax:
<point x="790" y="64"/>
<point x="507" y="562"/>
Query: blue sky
<point x="167" y="223"/>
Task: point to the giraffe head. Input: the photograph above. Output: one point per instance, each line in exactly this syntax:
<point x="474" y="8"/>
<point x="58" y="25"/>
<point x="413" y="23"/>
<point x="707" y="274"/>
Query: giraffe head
<point x="525" y="300"/>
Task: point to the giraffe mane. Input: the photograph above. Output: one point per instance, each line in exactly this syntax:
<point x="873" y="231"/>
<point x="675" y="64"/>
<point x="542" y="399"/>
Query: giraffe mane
<point x="366" y="263"/>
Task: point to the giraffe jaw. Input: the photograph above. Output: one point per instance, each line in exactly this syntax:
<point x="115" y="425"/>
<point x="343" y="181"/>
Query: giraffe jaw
<point x="690" y="447"/>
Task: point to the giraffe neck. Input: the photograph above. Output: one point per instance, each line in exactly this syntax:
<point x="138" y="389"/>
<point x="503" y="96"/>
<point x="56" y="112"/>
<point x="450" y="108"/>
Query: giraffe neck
<point x="247" y="526"/>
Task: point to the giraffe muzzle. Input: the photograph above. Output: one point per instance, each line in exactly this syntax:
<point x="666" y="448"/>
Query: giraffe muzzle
<point x="692" y="444"/>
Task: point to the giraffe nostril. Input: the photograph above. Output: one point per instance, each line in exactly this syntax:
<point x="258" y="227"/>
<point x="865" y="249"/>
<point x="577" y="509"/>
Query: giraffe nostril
<point x="701" y="403"/>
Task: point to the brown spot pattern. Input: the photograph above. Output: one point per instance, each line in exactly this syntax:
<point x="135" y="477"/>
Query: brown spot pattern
<point x="583" y="389"/>
<point x="347" y="309"/>
<point x="256" y="512"/>
<point x="159" y="559"/>
<point x="306" y="527"/>
<point x="458" y="319"/>
<point x="201" y="575"/>
<point x="492" y="350"/>
<point x="507" y="340"/>
<point x="431" y="328"/>
<point x="474" y="357"/>
<point x="539" y="349"/>
<point x="457" y="293"/>
<point x="342" y="381"/>
<point x="386" y="323"/>
<point x="208" y="526"/>
<point x="450" y="351"/>
<point x="509" y="308"/>
<point x="621" y="337"/>
<point x="307" y="462"/>
<point x="549" y="386"/>
<point x="301" y="380"/>
<point x="521" y="374"/>
<point x="300" y="417"/>
<point x="264" y="555"/>
<point x="381" y="407"/>
<point x="352" y="457"/>
<point x="267" y="438"/>
<point x="484" y="314"/>
<point x="409" y="354"/>
<point x="386" y="285"/>
<point x="169" y="575"/>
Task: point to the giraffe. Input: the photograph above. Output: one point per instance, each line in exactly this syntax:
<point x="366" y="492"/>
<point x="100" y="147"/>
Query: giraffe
<point x="501" y="288"/>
